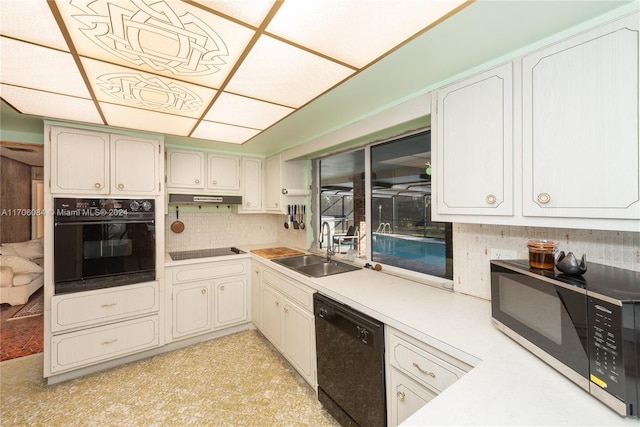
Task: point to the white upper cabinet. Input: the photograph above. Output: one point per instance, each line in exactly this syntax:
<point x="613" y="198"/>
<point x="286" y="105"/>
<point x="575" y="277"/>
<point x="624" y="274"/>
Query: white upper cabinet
<point x="251" y="186"/>
<point x="223" y="172"/>
<point x="185" y="169"/>
<point x="580" y="126"/>
<point x="273" y="184"/>
<point x="135" y="168"/>
<point x="79" y="161"/>
<point x="91" y="162"/>
<point x="474" y="143"/>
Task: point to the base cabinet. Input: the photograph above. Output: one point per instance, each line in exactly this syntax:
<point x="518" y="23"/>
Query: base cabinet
<point x="206" y="297"/>
<point x="87" y="328"/>
<point x="416" y="373"/>
<point x="287" y="321"/>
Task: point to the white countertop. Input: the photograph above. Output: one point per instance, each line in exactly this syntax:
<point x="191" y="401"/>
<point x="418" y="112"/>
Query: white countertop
<point x="507" y="386"/>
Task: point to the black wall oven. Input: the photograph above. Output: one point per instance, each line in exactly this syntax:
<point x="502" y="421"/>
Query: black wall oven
<point x="587" y="327"/>
<point x="101" y="243"/>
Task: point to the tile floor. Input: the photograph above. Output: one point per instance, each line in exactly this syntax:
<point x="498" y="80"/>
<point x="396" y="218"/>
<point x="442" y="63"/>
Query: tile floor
<point x="20" y="337"/>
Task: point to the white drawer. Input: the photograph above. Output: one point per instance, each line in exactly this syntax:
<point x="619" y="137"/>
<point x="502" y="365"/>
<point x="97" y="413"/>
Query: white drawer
<point x="421" y="365"/>
<point x="90" y="346"/>
<point x="406" y="397"/>
<point x="72" y="311"/>
<point x="210" y="270"/>
<point x="294" y="291"/>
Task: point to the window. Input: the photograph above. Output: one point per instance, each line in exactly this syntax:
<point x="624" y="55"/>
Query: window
<point x="401" y="233"/>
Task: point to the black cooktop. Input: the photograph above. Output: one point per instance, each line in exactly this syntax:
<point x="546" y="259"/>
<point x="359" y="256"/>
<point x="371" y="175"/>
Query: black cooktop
<point x="204" y="253"/>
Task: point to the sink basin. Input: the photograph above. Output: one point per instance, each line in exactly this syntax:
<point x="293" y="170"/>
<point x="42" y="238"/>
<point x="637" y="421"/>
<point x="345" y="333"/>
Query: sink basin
<point x="314" y="265"/>
<point x="299" y="260"/>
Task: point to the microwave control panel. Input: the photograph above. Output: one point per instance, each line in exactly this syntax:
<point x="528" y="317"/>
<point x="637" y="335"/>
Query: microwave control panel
<point x="606" y="345"/>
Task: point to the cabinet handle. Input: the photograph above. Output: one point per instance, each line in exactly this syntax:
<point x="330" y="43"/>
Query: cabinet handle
<point x="286" y="309"/>
<point x="401" y="396"/>
<point x="544" y="198"/>
<point x="248" y="203"/>
<point x="97" y="185"/>
<point x="109" y="342"/>
<point x="214" y="182"/>
<point x="197" y="181"/>
<point x="222" y="287"/>
<point x="113" y="304"/>
<point x="431" y="374"/>
<point x="491" y="199"/>
<point x="203" y="291"/>
<point x="120" y="186"/>
<point x="277" y="304"/>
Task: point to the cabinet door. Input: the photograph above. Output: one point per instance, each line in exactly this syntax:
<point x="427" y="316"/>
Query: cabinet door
<point x="230" y="301"/>
<point x="192" y="308"/>
<point x="251" y="185"/>
<point x="406" y="398"/>
<point x="474" y="145"/>
<point x="580" y="126"/>
<point x="299" y="340"/>
<point x="273" y="184"/>
<point x="185" y="169"/>
<point x="79" y="161"/>
<point x="271" y="303"/>
<point x="135" y="168"/>
<point x="223" y="173"/>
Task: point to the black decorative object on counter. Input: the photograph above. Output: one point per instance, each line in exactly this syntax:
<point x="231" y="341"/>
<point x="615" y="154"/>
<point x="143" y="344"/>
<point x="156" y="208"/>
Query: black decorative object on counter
<point x="568" y="264"/>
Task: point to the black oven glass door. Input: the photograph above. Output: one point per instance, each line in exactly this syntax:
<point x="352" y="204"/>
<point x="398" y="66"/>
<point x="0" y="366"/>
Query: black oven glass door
<point x="553" y="318"/>
<point x="98" y="254"/>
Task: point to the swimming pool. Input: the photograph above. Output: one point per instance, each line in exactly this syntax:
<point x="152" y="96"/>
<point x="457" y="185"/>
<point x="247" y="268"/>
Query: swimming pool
<point x="424" y="255"/>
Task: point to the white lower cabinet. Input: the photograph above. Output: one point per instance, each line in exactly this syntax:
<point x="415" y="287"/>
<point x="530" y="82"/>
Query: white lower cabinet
<point x="96" y="326"/>
<point x="206" y="297"/>
<point x="287" y="321"/>
<point x="416" y="373"/>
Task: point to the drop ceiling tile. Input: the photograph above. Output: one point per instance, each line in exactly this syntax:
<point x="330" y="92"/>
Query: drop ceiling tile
<point x="31" y="21"/>
<point x="131" y="88"/>
<point x="241" y="111"/>
<point x="133" y="118"/>
<point x="170" y="38"/>
<point x="283" y="74"/>
<point x="46" y="104"/>
<point x="252" y="12"/>
<point x="356" y="32"/>
<point x="40" y="68"/>
<point x="224" y="133"/>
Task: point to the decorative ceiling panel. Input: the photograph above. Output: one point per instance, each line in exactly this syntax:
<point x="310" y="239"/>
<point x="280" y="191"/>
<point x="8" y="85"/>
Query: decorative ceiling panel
<point x="223" y="70"/>
<point x="124" y="86"/>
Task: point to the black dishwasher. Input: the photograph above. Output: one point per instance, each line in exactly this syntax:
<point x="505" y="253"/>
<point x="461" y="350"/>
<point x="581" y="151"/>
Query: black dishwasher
<point x="350" y="354"/>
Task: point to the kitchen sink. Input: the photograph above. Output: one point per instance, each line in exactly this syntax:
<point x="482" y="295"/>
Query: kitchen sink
<point x="314" y="265"/>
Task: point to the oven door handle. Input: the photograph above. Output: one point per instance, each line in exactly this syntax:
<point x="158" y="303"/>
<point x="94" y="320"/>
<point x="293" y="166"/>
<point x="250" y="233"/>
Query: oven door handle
<point x="103" y="222"/>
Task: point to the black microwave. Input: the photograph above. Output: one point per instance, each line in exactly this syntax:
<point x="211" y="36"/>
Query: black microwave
<point x="586" y="327"/>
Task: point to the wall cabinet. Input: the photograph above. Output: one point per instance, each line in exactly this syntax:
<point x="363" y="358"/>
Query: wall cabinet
<point x="281" y="175"/>
<point x="581" y="153"/>
<point x="273" y="185"/>
<point x="569" y="117"/>
<point x="251" y="184"/>
<point x="287" y="321"/>
<point x="207" y="296"/>
<point x="91" y="162"/>
<point x="416" y="373"/>
<point x="96" y="326"/>
<point x="474" y="134"/>
<point x="197" y="170"/>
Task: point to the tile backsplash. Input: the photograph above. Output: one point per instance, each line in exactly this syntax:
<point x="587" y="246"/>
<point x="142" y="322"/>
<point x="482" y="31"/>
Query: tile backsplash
<point x="472" y="244"/>
<point x="216" y="230"/>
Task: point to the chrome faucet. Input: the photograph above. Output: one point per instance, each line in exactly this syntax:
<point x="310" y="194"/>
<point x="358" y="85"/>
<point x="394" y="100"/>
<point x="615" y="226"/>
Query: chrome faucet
<point x="330" y="250"/>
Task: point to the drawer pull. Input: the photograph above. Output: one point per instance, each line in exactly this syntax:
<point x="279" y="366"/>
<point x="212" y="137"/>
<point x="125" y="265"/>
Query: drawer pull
<point x="109" y="342"/>
<point x="544" y="198"/>
<point x="121" y="186"/>
<point x="204" y="291"/>
<point x="113" y="304"/>
<point x="97" y="185"/>
<point x="401" y="396"/>
<point x="197" y="181"/>
<point x="431" y="374"/>
<point x="222" y="287"/>
<point x="491" y="199"/>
